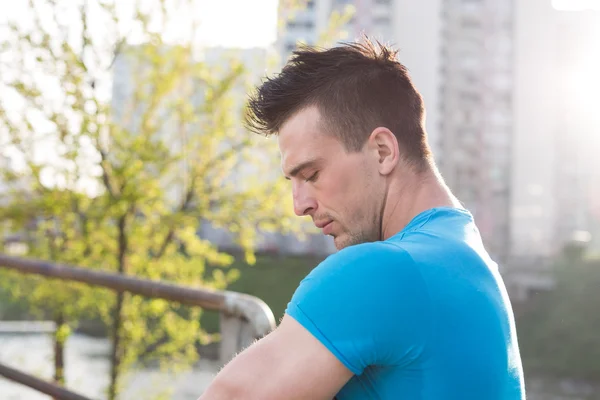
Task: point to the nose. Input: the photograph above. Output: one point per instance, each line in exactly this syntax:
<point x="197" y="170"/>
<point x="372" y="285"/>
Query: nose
<point x="304" y="202"/>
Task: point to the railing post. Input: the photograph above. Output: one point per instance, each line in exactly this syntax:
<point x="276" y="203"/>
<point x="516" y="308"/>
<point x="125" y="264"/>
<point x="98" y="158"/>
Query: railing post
<point x="244" y="320"/>
<point x="232" y="328"/>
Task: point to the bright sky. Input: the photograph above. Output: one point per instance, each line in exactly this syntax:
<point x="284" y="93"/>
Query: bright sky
<point x="230" y="23"/>
<point x="576" y="5"/>
<point x="239" y="23"/>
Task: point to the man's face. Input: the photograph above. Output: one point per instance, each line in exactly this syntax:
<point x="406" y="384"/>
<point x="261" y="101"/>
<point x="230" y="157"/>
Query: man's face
<point x="342" y="192"/>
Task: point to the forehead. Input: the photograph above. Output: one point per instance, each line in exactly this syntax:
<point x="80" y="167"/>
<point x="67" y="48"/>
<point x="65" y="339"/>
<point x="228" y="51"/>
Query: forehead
<point x="302" y="138"/>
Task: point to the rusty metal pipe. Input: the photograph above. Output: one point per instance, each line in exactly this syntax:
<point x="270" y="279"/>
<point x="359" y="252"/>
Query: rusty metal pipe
<point x="205" y="298"/>
<point x="250" y="308"/>
<point x="51" y="389"/>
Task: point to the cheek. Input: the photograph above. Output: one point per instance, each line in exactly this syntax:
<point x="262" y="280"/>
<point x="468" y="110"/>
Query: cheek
<point x="340" y="188"/>
<point x="332" y="195"/>
<point x="347" y="195"/>
<point x="362" y="193"/>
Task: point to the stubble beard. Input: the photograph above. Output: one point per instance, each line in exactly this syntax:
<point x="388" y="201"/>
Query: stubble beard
<point x="348" y="238"/>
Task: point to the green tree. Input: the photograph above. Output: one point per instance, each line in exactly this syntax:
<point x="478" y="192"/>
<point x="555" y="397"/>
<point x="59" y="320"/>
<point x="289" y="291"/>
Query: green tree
<point x="124" y="184"/>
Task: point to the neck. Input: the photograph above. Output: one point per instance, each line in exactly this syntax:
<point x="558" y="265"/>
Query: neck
<point x="412" y="195"/>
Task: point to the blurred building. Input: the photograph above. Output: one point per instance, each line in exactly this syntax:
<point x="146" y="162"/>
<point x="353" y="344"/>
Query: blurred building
<point x="500" y="83"/>
<point x="556" y="174"/>
<point x="476" y="113"/>
<point x="300" y="24"/>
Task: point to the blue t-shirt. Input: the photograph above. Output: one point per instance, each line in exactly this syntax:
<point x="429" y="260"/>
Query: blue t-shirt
<point x="422" y="315"/>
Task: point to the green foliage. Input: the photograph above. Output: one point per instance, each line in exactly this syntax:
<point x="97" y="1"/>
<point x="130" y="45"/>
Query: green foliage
<point x="124" y="187"/>
<point x="559" y="335"/>
<point x="123" y="184"/>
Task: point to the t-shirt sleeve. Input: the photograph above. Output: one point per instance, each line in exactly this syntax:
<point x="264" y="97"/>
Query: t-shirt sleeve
<point x="368" y="304"/>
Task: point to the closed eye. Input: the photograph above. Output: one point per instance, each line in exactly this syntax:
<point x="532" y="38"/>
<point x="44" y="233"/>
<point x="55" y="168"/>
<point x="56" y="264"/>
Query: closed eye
<point x="313" y="177"/>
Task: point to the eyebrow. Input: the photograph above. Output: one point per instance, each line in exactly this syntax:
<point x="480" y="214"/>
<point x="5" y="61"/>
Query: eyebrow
<point x="296" y="170"/>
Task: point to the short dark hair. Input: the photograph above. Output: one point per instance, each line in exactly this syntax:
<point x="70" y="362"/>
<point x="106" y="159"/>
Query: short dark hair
<point x="356" y="87"/>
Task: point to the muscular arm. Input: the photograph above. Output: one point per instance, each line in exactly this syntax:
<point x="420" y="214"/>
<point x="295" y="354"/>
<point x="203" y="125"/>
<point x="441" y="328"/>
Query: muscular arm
<point x="289" y="363"/>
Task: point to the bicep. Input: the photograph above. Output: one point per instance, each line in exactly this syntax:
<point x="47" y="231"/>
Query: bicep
<point x="289" y="363"/>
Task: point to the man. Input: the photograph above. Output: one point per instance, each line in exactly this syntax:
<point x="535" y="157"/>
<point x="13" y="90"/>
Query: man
<point x="411" y="306"/>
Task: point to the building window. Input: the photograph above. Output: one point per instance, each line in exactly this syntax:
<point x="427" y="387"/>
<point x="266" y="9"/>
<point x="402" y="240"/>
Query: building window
<point x="470" y="97"/>
<point x="310" y="4"/>
<point x="300" y="24"/>
<point x="381" y="21"/>
<point x="470" y="63"/>
<point x="382" y="1"/>
<point x="471" y="78"/>
<point x="470" y="23"/>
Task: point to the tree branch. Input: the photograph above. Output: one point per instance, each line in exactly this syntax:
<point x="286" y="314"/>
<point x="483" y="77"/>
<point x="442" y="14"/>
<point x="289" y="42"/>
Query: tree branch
<point x="170" y="236"/>
<point x="106" y="170"/>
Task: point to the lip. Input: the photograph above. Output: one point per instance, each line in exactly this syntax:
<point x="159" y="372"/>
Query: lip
<point x="327" y="228"/>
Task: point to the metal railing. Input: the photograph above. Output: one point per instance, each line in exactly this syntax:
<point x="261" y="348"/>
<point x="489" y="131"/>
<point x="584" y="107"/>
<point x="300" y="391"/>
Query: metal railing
<point x="243" y="318"/>
<point x="49" y="388"/>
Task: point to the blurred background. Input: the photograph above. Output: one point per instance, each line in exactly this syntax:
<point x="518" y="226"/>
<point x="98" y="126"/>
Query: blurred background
<point x="122" y="150"/>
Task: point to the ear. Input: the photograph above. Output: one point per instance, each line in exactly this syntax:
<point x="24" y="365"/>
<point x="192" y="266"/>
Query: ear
<point x="385" y="147"/>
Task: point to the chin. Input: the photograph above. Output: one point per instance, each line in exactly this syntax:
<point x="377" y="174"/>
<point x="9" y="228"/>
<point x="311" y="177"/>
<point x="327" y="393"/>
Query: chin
<point x="343" y="241"/>
<point x="338" y="244"/>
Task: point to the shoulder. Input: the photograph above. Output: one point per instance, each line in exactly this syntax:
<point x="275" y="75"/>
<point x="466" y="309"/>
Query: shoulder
<point x="374" y="255"/>
<point x="362" y="265"/>
<point x="366" y="303"/>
